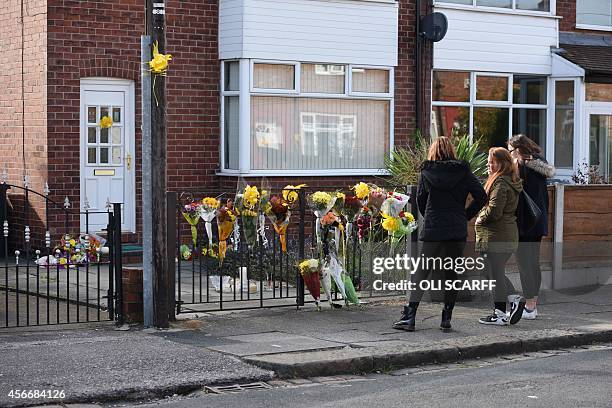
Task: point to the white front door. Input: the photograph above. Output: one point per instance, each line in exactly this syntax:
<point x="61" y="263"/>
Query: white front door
<point x="599" y="131"/>
<point x="107" y="152"/>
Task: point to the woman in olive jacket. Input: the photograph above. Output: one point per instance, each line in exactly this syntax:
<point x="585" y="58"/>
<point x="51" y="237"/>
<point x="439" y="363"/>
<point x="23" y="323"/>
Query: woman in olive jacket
<point x="497" y="232"/>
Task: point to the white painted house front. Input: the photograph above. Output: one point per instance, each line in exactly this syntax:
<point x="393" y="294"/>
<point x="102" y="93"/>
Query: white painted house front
<point x="500" y="71"/>
<point x="306" y="86"/>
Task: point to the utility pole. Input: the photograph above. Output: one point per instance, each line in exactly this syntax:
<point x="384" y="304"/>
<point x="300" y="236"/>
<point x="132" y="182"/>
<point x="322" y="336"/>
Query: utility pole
<point x="155" y="28"/>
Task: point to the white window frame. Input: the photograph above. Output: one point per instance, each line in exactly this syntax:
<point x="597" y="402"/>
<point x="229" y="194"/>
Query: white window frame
<point x="296" y="76"/>
<point x="349" y="80"/>
<point x="510" y="105"/>
<point x="502" y="10"/>
<point x="246" y="91"/>
<point x="578" y="145"/>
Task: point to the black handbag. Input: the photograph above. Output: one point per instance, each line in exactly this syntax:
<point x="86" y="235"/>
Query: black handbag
<point x="529" y="214"/>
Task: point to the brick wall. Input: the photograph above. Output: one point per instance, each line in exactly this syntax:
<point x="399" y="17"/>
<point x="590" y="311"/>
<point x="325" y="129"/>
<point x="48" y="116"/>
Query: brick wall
<point x="23" y="106"/>
<point x="102" y="39"/>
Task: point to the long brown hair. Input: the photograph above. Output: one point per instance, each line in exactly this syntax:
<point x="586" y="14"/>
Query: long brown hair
<point x="442" y="149"/>
<point x="507" y="166"/>
<point x="524" y="145"/>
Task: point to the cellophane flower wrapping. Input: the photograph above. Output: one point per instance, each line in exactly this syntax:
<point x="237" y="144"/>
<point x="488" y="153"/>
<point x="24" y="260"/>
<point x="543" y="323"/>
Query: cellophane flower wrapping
<point x="191" y="213"/>
<point x="208" y="212"/>
<point x="309" y="269"/>
<point x="278" y="212"/>
<point x="226" y="218"/>
<point x="321" y="203"/>
<point x="335" y="271"/>
<point x="394" y="203"/>
<point x="249" y="200"/>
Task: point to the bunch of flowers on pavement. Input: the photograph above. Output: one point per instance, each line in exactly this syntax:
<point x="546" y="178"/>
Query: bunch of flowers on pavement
<point x="73" y="252"/>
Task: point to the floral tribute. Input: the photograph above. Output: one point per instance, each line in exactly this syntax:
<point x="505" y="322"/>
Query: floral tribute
<point x="70" y="251"/>
<point x="248" y="201"/>
<point x="278" y="211"/>
<point x="106" y="122"/>
<point x="191" y="213"/>
<point x="208" y="212"/>
<point x="310" y="269"/>
<point x="226" y="218"/>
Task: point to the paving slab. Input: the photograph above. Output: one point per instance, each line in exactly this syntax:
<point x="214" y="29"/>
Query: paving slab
<point x="272" y="343"/>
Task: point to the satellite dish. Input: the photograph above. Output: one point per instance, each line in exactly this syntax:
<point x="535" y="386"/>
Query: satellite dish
<point x="434" y="26"/>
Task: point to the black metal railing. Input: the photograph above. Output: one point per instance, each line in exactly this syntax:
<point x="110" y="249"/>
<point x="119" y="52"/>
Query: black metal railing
<point x="260" y="274"/>
<point x="50" y="275"/>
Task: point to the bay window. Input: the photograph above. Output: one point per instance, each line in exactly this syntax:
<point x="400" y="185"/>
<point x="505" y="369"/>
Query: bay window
<point x="490" y="107"/>
<point x="307" y="118"/>
<point x="528" y="5"/>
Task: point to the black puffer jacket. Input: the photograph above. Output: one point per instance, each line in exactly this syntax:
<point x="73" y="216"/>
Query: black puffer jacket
<point x="534" y="173"/>
<point x="441" y="196"/>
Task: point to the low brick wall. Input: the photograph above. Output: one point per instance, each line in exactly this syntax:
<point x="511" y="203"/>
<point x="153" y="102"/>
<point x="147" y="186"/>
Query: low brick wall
<point x="132" y="295"/>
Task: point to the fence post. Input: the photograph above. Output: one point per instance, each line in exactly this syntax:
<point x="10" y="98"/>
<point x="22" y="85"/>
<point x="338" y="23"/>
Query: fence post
<point x="557" y="264"/>
<point x="171" y="240"/>
<point x="118" y="263"/>
<point x="301" y="244"/>
<point x="110" y="294"/>
<point x="413" y="245"/>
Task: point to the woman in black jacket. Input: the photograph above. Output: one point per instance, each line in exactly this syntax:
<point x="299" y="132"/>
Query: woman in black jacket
<point x="444" y="185"/>
<point x="534" y="170"/>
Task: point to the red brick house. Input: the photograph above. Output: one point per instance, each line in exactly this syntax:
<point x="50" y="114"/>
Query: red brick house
<point x="311" y="91"/>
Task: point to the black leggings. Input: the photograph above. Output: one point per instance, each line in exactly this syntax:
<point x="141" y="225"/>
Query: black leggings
<point x="528" y="259"/>
<point x="495" y="263"/>
<point x="441" y="249"/>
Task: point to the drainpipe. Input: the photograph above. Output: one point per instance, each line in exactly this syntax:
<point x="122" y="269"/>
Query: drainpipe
<point x="417" y="68"/>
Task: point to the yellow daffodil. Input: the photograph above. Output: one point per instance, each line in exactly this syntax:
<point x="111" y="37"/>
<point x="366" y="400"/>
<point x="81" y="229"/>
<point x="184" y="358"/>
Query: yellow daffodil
<point x="250" y="197"/>
<point x="159" y="63"/>
<point x="72" y="243"/>
<point x="361" y="190"/>
<point x="63" y="261"/>
<point x="290" y="194"/>
<point x="390" y="223"/>
<point x="106" y="122"/>
<point x="304" y="265"/>
<point x="409" y="217"/>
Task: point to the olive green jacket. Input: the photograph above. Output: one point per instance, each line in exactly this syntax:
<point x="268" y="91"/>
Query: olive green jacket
<point x="496" y="229"/>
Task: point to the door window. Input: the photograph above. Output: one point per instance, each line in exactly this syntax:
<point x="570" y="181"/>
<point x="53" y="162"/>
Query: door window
<point x="104" y="136"/>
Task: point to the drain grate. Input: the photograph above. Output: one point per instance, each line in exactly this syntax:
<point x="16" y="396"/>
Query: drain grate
<point x="233" y="389"/>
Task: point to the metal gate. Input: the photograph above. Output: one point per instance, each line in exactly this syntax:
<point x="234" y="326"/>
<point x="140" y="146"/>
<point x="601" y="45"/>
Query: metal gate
<point x="51" y="272"/>
<point x="252" y="276"/>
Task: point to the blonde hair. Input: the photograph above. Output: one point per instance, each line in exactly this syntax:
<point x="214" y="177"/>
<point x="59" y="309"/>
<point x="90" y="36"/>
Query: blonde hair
<point x="442" y="149"/>
<point x="507" y="166"/>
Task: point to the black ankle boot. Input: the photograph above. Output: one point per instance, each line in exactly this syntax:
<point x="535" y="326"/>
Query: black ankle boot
<point x="447" y="313"/>
<point x="406" y="322"/>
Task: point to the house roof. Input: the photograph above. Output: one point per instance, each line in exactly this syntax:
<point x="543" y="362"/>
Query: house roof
<point x="596" y="60"/>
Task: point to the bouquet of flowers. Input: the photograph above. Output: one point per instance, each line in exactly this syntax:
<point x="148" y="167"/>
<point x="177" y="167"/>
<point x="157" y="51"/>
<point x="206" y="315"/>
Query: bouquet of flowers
<point x="364" y="221"/>
<point x="71" y="251"/>
<point x="376" y="198"/>
<point x="309" y="269"/>
<point x="249" y="207"/>
<point x="191" y="213"/>
<point x="350" y="210"/>
<point x="320" y="202"/>
<point x="398" y="227"/>
<point x="331" y="220"/>
<point x="208" y="212"/>
<point x="226" y="218"/>
<point x="278" y="212"/>
<point x="264" y="201"/>
<point x="394" y="203"/>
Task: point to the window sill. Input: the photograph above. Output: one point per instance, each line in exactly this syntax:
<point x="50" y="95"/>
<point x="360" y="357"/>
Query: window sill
<point x="494" y="10"/>
<point x="304" y="173"/>
<point x="593" y="27"/>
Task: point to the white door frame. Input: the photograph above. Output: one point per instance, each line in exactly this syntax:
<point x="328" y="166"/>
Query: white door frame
<point x="592" y="108"/>
<point x="127" y="86"/>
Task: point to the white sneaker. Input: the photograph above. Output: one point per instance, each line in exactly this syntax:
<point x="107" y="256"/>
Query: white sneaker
<point x="498" y="318"/>
<point x="530" y="314"/>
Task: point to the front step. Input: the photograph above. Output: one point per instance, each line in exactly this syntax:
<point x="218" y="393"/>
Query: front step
<point x="131" y="254"/>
